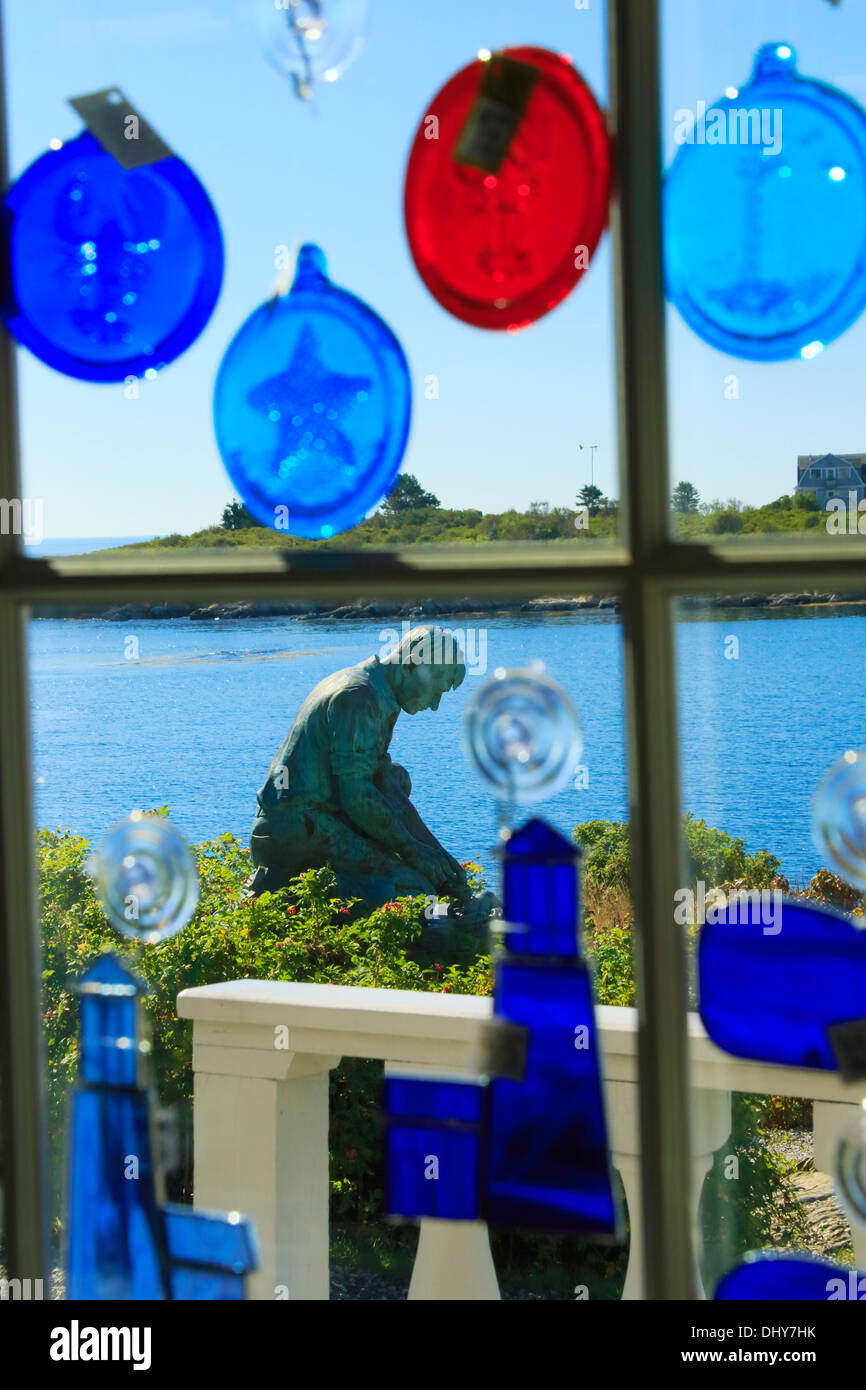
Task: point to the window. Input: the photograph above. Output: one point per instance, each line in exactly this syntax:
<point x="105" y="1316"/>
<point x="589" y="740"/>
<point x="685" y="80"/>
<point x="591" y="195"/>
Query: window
<point x="646" y="564"/>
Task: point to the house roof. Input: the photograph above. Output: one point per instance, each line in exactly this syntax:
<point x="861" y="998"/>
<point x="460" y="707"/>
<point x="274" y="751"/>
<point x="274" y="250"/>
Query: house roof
<point x="830" y="461"/>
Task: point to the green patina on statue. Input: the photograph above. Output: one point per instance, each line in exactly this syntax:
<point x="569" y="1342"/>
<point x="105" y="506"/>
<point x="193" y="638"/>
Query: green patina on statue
<point x="333" y="795"/>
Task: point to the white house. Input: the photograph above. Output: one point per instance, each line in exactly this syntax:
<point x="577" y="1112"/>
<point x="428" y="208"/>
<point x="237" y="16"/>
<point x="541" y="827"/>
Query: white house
<point x="832" y="475"/>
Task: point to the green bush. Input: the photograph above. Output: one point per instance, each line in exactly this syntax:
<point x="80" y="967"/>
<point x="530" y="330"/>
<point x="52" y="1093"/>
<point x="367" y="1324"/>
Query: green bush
<point x="711" y="855"/>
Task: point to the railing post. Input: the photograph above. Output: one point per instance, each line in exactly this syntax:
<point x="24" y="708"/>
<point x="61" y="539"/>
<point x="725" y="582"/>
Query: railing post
<point x="453" y="1262"/>
<point x="711" y="1124"/>
<point x="261" y="1146"/>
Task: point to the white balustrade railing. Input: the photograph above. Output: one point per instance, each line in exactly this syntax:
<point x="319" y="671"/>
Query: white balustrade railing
<point x="262" y="1052"/>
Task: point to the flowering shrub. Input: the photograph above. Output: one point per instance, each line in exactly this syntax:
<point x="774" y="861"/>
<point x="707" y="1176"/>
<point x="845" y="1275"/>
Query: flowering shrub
<point x="305" y="932"/>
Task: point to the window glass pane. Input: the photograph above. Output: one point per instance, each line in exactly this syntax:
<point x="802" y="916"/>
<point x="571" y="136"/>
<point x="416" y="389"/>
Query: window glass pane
<point x="188" y="713"/>
<point x="765" y="214"/>
<point x="498" y="418"/>
<point x="766" y="708"/>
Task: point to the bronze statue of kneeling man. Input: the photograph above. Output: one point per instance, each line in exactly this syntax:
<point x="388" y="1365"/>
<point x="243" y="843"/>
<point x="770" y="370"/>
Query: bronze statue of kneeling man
<point x="333" y="795"/>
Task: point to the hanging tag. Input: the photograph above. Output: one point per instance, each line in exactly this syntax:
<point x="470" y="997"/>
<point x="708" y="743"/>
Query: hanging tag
<point x="506" y="86"/>
<point x="120" y="130"/>
<point x="848" y="1041"/>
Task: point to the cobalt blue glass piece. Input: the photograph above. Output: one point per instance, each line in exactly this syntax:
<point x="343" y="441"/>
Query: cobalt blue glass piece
<point x="547" y="1152"/>
<point x="547" y="1161"/>
<point x="540" y="892"/>
<point x="792" y="1278"/>
<point x="312" y="406"/>
<point x="209" y="1253"/>
<point x="765" y="214"/>
<point x="121" y="1243"/>
<point x="116" y="1247"/>
<point x="770" y="991"/>
<point x="433" y="1148"/>
<point x="110" y="272"/>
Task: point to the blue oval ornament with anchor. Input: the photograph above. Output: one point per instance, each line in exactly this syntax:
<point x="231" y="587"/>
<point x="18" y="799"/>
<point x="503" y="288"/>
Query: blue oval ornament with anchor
<point x="765" y="215"/>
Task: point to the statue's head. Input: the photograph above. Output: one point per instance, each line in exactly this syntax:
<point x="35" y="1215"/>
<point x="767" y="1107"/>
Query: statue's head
<point x="426" y="663"/>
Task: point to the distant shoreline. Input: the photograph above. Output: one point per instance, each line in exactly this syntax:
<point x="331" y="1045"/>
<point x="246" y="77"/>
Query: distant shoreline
<point x="301" y="610"/>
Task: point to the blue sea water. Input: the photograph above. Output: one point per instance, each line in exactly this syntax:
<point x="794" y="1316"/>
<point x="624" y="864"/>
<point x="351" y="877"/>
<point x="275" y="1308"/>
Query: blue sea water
<point x="194" y="722"/>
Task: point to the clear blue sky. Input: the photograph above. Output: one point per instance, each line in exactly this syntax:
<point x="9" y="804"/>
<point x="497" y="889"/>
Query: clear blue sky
<point x="511" y="411"/>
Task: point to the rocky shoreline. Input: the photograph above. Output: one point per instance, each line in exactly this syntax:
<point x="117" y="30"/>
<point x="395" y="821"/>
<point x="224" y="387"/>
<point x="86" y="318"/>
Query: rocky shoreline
<point x="305" y="610"/>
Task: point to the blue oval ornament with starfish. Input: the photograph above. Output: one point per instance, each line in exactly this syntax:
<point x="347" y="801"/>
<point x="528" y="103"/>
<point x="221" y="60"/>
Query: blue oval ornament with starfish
<point x="312" y="406"/>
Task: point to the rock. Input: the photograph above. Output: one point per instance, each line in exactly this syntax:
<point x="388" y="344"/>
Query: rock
<point x="127" y="612"/>
<point x="274" y="608"/>
<point x="209" y="614"/>
<point x="383" y="608"/>
<point x="170" y="610"/>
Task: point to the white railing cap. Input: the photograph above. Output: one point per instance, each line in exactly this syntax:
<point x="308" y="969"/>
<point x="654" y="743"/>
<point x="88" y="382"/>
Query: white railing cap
<point x="414" y="1025"/>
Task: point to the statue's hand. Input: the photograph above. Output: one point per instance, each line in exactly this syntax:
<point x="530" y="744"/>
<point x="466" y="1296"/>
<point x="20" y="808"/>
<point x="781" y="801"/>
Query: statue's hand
<point x="453" y="882"/>
<point x="444" y="873"/>
<point x="458" y="873"/>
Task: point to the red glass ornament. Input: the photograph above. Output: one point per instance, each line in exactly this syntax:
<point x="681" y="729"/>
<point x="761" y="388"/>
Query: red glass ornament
<point x="507" y="187"/>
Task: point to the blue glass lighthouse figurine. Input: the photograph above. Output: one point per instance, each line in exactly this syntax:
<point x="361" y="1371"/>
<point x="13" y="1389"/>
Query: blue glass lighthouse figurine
<point x="547" y="1159"/>
<point x="525" y="1144"/>
<point x="116" y="1246"/>
<point x="123" y="1241"/>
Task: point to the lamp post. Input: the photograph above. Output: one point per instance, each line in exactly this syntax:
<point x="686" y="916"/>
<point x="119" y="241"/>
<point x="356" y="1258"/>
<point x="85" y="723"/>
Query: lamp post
<point x="592" y="448"/>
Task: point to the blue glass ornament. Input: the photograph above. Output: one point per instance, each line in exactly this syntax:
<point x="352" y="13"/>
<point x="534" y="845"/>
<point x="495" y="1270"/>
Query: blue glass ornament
<point x="145" y="878"/>
<point x="311" y="40"/>
<point x="547" y="1152"/>
<point x="433" y="1148"/>
<point x="121" y="1243"/>
<point x="839" y="817"/>
<point x="783" y="991"/>
<point x="111" y="272"/>
<point x="312" y="406"/>
<point x="765" y="215"/>
<point x="791" y="1278"/>
<point x="523" y="734"/>
<point x="528" y="1148"/>
<point x="209" y="1254"/>
<point x="116" y="1244"/>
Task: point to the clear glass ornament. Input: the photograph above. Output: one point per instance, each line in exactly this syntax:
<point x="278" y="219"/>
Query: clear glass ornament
<point x="851" y="1166"/>
<point x="145" y="878"/>
<point x="311" y="40"/>
<point x="839" y="817"/>
<point x="523" y="734"/>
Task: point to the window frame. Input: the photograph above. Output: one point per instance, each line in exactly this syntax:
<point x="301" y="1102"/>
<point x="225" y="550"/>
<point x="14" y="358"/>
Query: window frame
<point x="645" y="568"/>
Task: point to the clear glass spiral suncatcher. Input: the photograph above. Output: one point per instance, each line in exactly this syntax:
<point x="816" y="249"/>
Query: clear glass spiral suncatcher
<point x="145" y="878"/>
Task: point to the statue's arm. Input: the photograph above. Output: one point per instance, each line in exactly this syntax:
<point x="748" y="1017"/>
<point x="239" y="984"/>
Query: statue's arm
<point x="373" y="802"/>
<point x="373" y="814"/>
